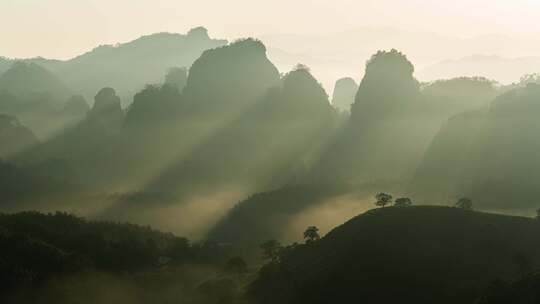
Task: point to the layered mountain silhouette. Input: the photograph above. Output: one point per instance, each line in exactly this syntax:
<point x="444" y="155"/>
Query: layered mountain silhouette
<point x="378" y="141"/>
<point x="503" y="69"/>
<point x="487" y="154"/>
<point x="230" y="123"/>
<point x="274" y="137"/>
<point x="332" y="176"/>
<point x="26" y="79"/>
<point x="37" y="97"/>
<point x="88" y="146"/>
<point x="209" y="139"/>
<point x="233" y="125"/>
<point x="128" y="67"/>
<point x="284" y="133"/>
<point x="14" y="137"/>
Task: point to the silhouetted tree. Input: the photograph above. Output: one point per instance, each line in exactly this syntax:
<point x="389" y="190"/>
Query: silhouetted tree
<point x="529" y="79"/>
<point x="271" y="250"/>
<point x="538" y="214"/>
<point x="403" y="202"/>
<point x="383" y="199"/>
<point x="464" y="203"/>
<point x="311" y="234"/>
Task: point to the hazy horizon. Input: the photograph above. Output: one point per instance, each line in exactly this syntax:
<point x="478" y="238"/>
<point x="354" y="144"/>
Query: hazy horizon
<point x="69" y="29"/>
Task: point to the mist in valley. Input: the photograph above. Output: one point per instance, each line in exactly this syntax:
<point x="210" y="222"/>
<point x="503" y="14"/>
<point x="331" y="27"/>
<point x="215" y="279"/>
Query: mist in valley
<point x="306" y="152"/>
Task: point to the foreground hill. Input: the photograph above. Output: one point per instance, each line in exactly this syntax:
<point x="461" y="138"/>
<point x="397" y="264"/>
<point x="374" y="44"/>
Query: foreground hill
<point x="403" y="255"/>
<point x="523" y="291"/>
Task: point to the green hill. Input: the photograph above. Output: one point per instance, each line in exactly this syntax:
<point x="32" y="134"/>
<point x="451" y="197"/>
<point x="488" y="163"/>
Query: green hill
<point x="403" y="255"/>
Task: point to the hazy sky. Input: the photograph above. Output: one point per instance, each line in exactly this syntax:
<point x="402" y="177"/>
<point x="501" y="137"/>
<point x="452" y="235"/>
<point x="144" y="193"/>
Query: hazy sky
<point x="64" y="28"/>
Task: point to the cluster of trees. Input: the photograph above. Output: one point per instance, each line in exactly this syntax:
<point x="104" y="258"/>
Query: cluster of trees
<point x="36" y="246"/>
<point x="384" y="199"/>
<point x="272" y="250"/>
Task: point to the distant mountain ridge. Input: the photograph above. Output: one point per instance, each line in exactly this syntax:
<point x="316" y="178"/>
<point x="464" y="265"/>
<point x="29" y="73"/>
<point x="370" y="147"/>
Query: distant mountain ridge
<point x="27" y="79"/>
<point x="506" y="70"/>
<point x="127" y="67"/>
<point x="330" y="56"/>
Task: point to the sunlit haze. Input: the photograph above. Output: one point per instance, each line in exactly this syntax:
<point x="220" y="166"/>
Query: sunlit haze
<point x="65" y="28"/>
<point x="269" y="151"/>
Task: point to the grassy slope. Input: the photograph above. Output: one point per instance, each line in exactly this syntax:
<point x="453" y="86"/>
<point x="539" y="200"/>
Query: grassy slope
<point x="404" y="255"/>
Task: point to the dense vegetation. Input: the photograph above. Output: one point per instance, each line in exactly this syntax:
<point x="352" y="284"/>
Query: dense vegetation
<point x="39" y="248"/>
